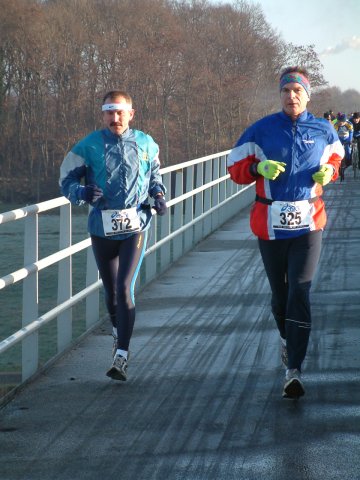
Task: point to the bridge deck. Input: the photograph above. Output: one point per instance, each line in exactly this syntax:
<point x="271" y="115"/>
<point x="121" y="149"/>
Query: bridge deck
<point x="203" y="400"/>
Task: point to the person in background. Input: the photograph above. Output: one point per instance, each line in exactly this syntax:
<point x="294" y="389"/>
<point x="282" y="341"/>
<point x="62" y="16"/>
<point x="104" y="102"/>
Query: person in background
<point x="119" y="167"/>
<point x="345" y="130"/>
<point x="290" y="155"/>
<point x="332" y="114"/>
<point x="355" y="120"/>
<point x="328" y="117"/>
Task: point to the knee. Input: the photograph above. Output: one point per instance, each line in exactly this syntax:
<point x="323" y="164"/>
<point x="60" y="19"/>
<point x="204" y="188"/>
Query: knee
<point x="299" y="291"/>
<point x="111" y="297"/>
<point x="123" y="292"/>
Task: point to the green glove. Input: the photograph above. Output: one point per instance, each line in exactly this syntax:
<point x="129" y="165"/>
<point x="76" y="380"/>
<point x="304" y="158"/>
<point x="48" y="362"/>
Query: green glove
<point x="324" y="175"/>
<point x="270" y="169"/>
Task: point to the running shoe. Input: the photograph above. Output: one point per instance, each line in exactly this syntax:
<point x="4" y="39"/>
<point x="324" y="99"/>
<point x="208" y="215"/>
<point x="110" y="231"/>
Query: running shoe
<point x="118" y="370"/>
<point x="293" y="387"/>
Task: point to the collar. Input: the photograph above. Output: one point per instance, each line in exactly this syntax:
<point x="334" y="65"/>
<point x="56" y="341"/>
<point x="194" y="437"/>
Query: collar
<point x="303" y="116"/>
<point x="108" y="133"/>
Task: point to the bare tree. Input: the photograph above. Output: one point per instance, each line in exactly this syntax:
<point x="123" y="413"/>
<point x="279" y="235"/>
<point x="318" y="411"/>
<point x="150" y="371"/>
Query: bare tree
<point x="199" y="73"/>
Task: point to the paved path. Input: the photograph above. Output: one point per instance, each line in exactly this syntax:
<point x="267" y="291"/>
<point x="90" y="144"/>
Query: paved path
<point x="203" y="400"/>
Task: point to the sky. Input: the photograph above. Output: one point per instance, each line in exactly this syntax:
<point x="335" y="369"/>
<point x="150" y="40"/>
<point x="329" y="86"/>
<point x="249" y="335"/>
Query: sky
<point x="332" y="26"/>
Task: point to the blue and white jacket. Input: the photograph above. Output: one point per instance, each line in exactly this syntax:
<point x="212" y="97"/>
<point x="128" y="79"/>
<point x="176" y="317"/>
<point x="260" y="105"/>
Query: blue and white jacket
<point x="125" y="167"/>
<point x="304" y="146"/>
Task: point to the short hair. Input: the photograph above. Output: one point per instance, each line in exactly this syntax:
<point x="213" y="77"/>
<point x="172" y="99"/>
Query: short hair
<point x="296" y="69"/>
<point x="113" y="94"/>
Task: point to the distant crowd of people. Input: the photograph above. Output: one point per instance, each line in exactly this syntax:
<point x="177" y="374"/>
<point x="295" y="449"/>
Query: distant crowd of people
<point x="348" y="129"/>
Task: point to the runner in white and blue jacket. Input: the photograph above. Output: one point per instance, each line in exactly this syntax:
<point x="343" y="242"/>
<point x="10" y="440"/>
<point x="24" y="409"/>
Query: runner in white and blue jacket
<point x="116" y="170"/>
<point x="290" y="155"/>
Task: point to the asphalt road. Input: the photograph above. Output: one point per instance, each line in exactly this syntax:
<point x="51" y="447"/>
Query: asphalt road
<point x="203" y="399"/>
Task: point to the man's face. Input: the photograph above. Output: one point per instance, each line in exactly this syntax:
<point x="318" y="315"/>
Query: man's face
<point x="293" y="99"/>
<point x="356" y="119"/>
<point x="118" y="120"/>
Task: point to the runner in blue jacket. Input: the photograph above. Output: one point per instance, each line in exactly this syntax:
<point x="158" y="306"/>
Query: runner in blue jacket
<point x="115" y="170"/>
<point x="290" y="155"/>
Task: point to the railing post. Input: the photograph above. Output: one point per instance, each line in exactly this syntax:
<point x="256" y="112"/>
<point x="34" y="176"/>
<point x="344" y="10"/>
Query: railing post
<point x="178" y="216"/>
<point x="149" y="264"/>
<point x="207" y="198"/>
<point x="223" y="172"/>
<point x="64" y="320"/>
<point x="165" y="226"/>
<point x="189" y="209"/>
<point x="199" y="204"/>
<point x="216" y="216"/>
<point x="30" y="344"/>
<point x="93" y="300"/>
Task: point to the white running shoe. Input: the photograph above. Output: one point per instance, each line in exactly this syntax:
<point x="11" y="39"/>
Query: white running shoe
<point x="293" y="387"/>
<point x="118" y="370"/>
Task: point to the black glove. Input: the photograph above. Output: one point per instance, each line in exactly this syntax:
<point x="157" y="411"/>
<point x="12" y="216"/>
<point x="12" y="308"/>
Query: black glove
<point x="160" y="205"/>
<point x="89" y="193"/>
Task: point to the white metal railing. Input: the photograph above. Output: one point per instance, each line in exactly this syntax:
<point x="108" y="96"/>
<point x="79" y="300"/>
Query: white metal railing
<point x="200" y="198"/>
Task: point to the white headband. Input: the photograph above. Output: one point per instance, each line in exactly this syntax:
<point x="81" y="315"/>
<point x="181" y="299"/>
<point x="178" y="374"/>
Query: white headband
<point x="116" y="106"/>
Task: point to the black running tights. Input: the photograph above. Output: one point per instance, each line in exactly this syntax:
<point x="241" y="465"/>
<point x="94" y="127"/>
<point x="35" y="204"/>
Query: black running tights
<point x="119" y="263"/>
<point x="290" y="267"/>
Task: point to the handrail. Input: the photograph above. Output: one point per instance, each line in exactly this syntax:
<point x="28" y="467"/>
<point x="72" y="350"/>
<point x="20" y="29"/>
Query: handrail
<point x="32" y="209"/>
<point x="43" y="263"/>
